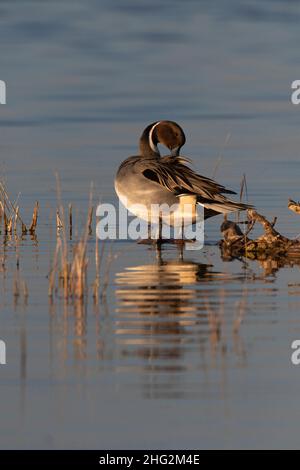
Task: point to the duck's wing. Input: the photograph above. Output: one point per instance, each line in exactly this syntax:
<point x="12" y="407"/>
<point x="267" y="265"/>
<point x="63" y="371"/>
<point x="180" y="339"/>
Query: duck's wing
<point x="174" y="174"/>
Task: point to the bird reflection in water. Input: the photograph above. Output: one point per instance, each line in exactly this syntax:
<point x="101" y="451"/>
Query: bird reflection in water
<point x="170" y="318"/>
<point x="173" y="320"/>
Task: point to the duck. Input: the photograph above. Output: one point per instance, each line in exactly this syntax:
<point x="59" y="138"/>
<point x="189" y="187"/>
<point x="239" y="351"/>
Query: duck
<point x="149" y="179"/>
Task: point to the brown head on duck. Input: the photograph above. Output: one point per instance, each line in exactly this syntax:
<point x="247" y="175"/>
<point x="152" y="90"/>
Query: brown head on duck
<point x="167" y="133"/>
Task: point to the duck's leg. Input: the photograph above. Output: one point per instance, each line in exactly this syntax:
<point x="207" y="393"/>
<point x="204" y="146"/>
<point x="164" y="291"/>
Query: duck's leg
<point x="152" y="236"/>
<point x="158" y="249"/>
<point x="159" y="238"/>
<point x="180" y="248"/>
<point x="159" y="256"/>
<point x="179" y="240"/>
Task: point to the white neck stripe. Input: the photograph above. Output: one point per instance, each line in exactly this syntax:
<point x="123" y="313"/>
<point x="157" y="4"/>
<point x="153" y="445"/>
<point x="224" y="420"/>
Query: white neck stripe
<point x="151" y="143"/>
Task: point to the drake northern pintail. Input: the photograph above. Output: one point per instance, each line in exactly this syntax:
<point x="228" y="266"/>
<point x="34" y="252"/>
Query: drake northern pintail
<point x="149" y="179"/>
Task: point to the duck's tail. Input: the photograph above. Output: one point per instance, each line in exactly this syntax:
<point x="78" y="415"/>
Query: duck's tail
<point x="222" y="205"/>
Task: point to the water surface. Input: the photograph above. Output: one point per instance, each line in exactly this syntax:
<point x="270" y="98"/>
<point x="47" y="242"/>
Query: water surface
<point x="180" y="353"/>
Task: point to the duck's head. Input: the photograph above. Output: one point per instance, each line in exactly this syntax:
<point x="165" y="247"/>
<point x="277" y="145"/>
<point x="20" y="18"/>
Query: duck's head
<point x="167" y="133"/>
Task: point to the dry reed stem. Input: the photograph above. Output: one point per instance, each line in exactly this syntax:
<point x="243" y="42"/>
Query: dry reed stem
<point x="8" y="225"/>
<point x="16" y="219"/>
<point x="73" y="270"/>
<point x="244" y="187"/>
<point x="25" y="290"/>
<point x="70" y="221"/>
<point x="54" y="269"/>
<point x="1" y="211"/>
<point x="34" y="218"/>
<point x="7" y="204"/>
<point x="64" y="249"/>
<point x="90" y="219"/>
<point x="96" y="283"/>
<point x="10" y="212"/>
<point x="16" y="290"/>
<point x="78" y="270"/>
<point x="59" y="223"/>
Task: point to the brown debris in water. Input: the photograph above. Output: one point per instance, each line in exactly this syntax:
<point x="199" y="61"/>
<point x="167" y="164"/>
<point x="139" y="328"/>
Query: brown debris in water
<point x="271" y="244"/>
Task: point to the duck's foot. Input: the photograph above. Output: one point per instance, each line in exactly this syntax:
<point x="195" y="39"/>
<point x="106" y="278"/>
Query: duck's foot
<point x="183" y="241"/>
<point x="147" y="241"/>
<point x="152" y="241"/>
<point x="161" y="241"/>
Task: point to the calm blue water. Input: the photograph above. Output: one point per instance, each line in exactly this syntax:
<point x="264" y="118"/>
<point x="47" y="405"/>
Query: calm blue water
<point x="191" y="353"/>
